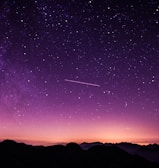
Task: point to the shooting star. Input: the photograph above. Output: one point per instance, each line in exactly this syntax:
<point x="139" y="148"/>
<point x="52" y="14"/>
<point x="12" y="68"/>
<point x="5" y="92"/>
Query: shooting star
<point x="79" y="82"/>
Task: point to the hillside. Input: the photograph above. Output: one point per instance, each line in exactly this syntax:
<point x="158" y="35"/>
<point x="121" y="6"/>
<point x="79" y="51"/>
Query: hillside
<point x="13" y="154"/>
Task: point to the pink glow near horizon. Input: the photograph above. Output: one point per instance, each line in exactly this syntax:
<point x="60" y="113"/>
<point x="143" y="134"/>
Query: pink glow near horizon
<point x="52" y="129"/>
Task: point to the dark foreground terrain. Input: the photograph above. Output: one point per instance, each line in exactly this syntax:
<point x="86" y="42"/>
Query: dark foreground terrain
<point x="19" y="155"/>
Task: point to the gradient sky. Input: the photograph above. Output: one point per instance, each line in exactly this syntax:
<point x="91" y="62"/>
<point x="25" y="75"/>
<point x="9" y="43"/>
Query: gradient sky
<point x="110" y="43"/>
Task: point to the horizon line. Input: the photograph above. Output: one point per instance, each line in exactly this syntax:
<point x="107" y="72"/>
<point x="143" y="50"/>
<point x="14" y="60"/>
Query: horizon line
<point x="48" y="143"/>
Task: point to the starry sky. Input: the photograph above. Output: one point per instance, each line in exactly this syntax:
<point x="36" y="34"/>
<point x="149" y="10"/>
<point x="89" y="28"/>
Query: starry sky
<point x="79" y="70"/>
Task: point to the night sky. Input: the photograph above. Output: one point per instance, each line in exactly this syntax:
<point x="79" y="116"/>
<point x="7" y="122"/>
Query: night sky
<point x="79" y="70"/>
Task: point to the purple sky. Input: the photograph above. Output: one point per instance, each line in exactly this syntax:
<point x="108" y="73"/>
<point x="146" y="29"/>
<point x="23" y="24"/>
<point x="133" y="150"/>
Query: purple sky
<point x="48" y="47"/>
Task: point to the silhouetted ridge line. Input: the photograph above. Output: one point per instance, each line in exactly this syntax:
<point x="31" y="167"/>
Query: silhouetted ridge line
<point x="13" y="154"/>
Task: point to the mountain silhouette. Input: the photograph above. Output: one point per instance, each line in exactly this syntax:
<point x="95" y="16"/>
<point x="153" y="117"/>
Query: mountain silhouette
<point x="149" y="152"/>
<point x="13" y="154"/>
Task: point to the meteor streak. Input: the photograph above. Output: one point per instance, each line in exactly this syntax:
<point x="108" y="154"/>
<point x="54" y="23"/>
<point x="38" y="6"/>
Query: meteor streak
<point x="79" y="82"/>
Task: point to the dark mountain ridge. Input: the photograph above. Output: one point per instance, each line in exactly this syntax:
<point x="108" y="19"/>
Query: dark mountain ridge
<point x="149" y="152"/>
<point x="13" y="154"/>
